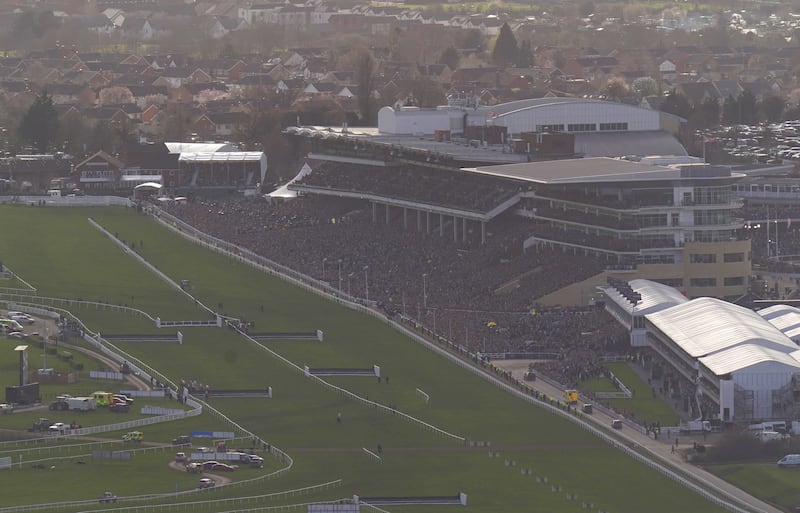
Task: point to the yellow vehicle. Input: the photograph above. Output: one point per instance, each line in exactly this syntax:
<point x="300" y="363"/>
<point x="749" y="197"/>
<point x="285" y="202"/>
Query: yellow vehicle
<point x="103" y="398"/>
<point x="571" y="396"/>
<point x="133" y="436"/>
<point x="11" y="325"/>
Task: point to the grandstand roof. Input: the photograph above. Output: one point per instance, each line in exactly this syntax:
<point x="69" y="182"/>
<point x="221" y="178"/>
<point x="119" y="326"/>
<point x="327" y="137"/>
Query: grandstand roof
<point x="613" y="144"/>
<point x="784" y="317"/>
<point x="588" y="170"/>
<point x="180" y="147"/>
<point x="745" y="356"/>
<point x="222" y="156"/>
<point x="705" y="326"/>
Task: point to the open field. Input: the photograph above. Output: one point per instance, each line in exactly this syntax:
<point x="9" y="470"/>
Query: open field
<point x="69" y="259"/>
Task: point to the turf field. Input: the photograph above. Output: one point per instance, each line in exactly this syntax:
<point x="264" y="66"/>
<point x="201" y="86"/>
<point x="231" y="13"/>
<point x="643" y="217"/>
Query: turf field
<point x="64" y="257"/>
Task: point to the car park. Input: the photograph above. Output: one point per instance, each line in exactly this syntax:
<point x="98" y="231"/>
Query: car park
<point x="206" y="483"/>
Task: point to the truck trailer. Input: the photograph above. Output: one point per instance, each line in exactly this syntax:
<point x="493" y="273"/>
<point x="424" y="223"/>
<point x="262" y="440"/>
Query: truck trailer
<point x="82" y="403"/>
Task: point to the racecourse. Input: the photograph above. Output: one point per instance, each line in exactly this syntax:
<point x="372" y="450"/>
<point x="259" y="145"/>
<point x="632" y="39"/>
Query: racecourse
<point x="516" y="456"/>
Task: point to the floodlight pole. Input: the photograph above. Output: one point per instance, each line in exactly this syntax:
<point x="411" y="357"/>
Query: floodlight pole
<point x="366" y="283"/>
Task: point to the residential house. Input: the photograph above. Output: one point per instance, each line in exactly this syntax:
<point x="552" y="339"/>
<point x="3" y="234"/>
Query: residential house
<point x="228" y="70"/>
<point x="176" y="77"/>
<point x="220" y="124"/>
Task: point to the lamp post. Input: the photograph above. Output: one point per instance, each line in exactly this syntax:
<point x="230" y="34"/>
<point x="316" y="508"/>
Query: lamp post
<point x="323" y="267"/>
<point x="425" y="290"/>
<point x="348" y="283"/>
<point x="340" y="274"/>
<point x="366" y="283"/>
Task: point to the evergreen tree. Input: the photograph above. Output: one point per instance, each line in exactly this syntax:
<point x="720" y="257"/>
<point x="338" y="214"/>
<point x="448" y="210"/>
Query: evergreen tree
<point x="505" y="47"/>
<point x="748" y="108"/>
<point x="730" y="111"/>
<point x="525" y="57"/>
<point x="676" y="103"/>
<point x="39" y="125"/>
<point x="773" y="106"/>
<point x="450" y="57"/>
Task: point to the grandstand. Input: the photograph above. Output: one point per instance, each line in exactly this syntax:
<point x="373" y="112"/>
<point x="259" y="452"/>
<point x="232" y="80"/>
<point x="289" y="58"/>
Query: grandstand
<point x="726" y="361"/>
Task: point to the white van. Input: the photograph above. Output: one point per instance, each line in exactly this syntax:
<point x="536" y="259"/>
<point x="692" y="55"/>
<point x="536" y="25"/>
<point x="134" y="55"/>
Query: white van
<point x="790" y="460"/>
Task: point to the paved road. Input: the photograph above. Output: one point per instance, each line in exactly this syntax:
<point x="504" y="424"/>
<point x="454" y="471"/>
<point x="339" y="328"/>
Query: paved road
<point x="660" y="449"/>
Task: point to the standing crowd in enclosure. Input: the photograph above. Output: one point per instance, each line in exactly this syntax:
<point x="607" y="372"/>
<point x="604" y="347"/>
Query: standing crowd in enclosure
<point x="483" y="297"/>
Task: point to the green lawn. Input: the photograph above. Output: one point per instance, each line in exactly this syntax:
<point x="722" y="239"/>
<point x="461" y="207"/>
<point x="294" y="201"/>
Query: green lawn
<point x="69" y="259"/>
<point x="643" y="405"/>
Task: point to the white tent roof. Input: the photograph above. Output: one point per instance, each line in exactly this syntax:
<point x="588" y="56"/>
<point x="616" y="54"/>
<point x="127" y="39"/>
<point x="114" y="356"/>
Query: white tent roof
<point x="705" y="326"/>
<point x="747" y="355"/>
<point x="222" y="156"/>
<point x="149" y="185"/>
<point x="180" y="147"/>
<point x="784" y="317"/>
<point x="283" y="191"/>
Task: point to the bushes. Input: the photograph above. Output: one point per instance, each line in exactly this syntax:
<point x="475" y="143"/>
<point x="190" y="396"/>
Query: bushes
<point x="744" y="446"/>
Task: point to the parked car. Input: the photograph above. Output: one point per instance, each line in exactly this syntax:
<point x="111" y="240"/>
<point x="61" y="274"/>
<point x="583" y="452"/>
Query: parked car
<point x="120" y="407"/>
<point x="616" y="424"/>
<point x="58" y="427"/>
<point x="180" y="456"/>
<point x="208" y="465"/>
<point x="206" y="483"/>
<point x="107" y="497"/>
<point x="6" y="408"/>
<point x="224" y="467"/>
<point x="194" y="468"/>
<point x="182" y="440"/>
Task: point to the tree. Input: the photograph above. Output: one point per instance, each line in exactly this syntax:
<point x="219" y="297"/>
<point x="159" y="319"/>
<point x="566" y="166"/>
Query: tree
<point x="450" y="57"/>
<point x="525" y="58"/>
<point x="505" y="47"/>
<point x="39" y="125"/>
<point x="645" y="86"/>
<point x="676" y="103"/>
<point x="748" y="108"/>
<point x="116" y="95"/>
<point x="616" y="89"/>
<point x="365" y="77"/>
<point x="773" y="106"/>
<point x="730" y="111"/>
<point x="708" y="113"/>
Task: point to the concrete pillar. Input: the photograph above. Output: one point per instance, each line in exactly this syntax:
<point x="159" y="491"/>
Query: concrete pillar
<point x="455" y="229"/>
<point x="483" y="232"/>
<point x="387" y="213"/>
<point x="464" y="229"/>
<point x="374" y="213"/>
<point x="428" y="222"/>
<point x="419" y="220"/>
<point x="405" y="218"/>
<point x="441" y="225"/>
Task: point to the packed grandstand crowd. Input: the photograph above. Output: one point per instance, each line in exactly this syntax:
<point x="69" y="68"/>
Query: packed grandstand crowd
<point x="483" y="297"/>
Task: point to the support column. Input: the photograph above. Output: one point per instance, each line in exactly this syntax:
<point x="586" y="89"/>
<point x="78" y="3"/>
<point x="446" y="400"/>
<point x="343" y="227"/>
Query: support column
<point x="374" y="213"/>
<point x="464" y="230"/>
<point x="405" y="218"/>
<point x="428" y="222"/>
<point x="483" y="232"/>
<point x="419" y="220"/>
<point x="455" y="229"/>
<point x="387" y="213"/>
<point x="441" y="225"/>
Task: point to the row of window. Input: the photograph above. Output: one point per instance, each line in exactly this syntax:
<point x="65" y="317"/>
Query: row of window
<point x="731" y="281"/>
<point x="711" y="258"/>
<point x="582" y="127"/>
